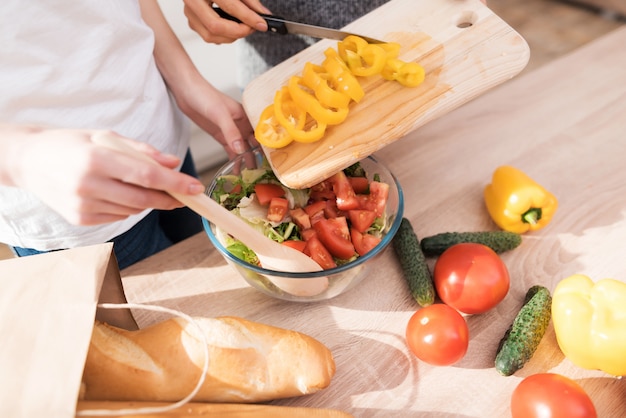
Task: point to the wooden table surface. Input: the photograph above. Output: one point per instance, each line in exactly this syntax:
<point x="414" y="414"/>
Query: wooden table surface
<point x="565" y="125"/>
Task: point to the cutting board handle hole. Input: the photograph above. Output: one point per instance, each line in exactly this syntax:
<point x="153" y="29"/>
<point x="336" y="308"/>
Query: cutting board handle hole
<point x="465" y="19"/>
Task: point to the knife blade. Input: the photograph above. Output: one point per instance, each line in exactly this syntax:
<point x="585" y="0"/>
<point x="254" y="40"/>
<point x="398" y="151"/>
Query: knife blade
<point x="281" y="26"/>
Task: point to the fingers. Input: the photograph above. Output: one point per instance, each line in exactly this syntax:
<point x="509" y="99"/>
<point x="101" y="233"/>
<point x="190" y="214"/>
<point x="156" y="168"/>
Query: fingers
<point x="212" y="28"/>
<point x="235" y="134"/>
<point x="121" y="185"/>
<point x="246" y="11"/>
<point x="224" y="119"/>
<point x="138" y="164"/>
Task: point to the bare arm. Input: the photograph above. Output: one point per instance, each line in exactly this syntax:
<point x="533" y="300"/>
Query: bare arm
<point x="215" y="112"/>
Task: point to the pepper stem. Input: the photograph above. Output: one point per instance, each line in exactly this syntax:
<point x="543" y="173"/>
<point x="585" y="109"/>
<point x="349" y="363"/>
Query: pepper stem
<point x="532" y="216"/>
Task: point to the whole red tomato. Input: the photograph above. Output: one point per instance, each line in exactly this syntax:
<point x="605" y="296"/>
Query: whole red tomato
<point x="551" y="395"/>
<point x="438" y="335"/>
<point x="471" y="278"/>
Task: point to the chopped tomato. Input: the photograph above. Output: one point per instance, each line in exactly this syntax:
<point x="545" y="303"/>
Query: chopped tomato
<point x="266" y="191"/>
<point x="316" y="250"/>
<point x="307" y="234"/>
<point x="300" y="218"/>
<point x="331" y="210"/>
<point x="295" y="244"/>
<point x="363" y="243"/>
<point x="361" y="219"/>
<point x="278" y="209"/>
<point x="322" y="185"/>
<point x="335" y="236"/>
<point x="346" y="198"/>
<point x="318" y="216"/>
<point x="322" y="191"/>
<point x="317" y="195"/>
<point x="315" y="211"/>
<point x="376" y="200"/>
<point x="359" y="184"/>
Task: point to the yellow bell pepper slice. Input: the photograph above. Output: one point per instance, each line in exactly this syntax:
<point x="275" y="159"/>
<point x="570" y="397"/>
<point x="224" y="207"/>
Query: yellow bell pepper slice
<point x="362" y="58"/>
<point x="312" y="106"/>
<point x="269" y="132"/>
<point x="313" y="131"/>
<point x="341" y="76"/>
<point x="287" y="112"/>
<point x="391" y="69"/>
<point x="517" y="203"/>
<point x="590" y="322"/>
<point x="391" y="48"/>
<point x="409" y="74"/>
<point x="294" y="119"/>
<point x="319" y="80"/>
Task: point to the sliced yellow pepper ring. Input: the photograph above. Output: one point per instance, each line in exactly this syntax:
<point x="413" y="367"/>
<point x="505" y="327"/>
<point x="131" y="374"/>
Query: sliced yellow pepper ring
<point x="391" y="48"/>
<point x="269" y="132"/>
<point x="341" y="76"/>
<point x="317" y="79"/>
<point x="351" y="43"/>
<point x="287" y="112"/>
<point x="312" y="106"/>
<point x="391" y="68"/>
<point x="312" y="131"/>
<point x="295" y="121"/>
<point x="411" y="74"/>
<point x="362" y="58"/>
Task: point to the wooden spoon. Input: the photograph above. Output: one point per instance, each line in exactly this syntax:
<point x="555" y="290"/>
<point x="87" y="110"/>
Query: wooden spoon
<point x="272" y="255"/>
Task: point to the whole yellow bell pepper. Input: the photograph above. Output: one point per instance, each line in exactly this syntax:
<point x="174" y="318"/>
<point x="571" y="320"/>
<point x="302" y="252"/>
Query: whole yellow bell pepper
<point x="590" y="322"/>
<point x="517" y="203"/>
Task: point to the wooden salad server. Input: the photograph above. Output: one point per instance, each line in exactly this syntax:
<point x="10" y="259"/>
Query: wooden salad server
<point x="272" y="255"/>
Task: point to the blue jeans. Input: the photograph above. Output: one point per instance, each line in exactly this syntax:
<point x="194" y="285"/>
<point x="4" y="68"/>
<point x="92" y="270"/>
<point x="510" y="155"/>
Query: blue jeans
<point x="157" y="231"/>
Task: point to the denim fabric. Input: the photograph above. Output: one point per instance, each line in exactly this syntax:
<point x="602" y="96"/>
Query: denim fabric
<point x="154" y="233"/>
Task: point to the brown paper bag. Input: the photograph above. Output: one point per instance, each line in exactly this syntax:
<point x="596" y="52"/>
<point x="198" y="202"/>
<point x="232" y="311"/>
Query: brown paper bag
<point x="47" y="309"/>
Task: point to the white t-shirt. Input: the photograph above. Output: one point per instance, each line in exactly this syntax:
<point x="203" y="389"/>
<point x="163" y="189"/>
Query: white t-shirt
<point x="83" y="64"/>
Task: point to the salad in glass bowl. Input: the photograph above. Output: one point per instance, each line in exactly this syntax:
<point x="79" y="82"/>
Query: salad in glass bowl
<point x="341" y="223"/>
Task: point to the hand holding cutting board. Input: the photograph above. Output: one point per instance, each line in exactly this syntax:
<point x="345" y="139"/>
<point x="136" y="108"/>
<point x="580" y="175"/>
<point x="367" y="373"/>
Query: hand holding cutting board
<point x="464" y="48"/>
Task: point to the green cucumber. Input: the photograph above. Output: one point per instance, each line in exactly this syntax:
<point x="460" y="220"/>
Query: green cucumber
<point x="414" y="267"/>
<point x="523" y="336"/>
<point x="499" y="241"/>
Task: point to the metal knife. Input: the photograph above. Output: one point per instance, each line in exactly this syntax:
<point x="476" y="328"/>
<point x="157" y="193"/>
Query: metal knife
<point x="281" y="26"/>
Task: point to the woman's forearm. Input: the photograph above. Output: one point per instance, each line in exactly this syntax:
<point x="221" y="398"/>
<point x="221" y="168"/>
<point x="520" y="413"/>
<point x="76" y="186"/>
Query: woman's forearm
<point x="12" y="148"/>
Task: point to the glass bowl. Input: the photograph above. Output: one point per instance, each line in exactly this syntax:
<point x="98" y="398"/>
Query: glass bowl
<point x="333" y="281"/>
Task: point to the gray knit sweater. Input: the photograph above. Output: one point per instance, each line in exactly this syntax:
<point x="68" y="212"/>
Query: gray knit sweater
<point x="261" y="51"/>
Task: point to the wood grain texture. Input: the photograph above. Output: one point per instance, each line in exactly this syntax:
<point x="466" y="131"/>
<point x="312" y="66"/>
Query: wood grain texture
<point x="608" y="6"/>
<point x="563" y="124"/>
<point x="464" y="48"/>
<point x="192" y="410"/>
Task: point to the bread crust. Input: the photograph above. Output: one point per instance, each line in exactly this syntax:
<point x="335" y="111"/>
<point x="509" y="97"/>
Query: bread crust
<point x="248" y="362"/>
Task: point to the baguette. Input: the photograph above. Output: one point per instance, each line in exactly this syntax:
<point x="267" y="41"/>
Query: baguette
<point x="248" y="362"/>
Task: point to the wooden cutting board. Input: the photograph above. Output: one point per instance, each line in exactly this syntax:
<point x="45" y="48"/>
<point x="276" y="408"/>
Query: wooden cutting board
<point x="194" y="409"/>
<point x="464" y="48"/>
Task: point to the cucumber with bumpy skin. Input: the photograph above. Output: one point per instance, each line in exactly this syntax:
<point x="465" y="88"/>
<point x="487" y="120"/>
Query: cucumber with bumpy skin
<point x="523" y="337"/>
<point x="413" y="262"/>
<point x="499" y="241"/>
